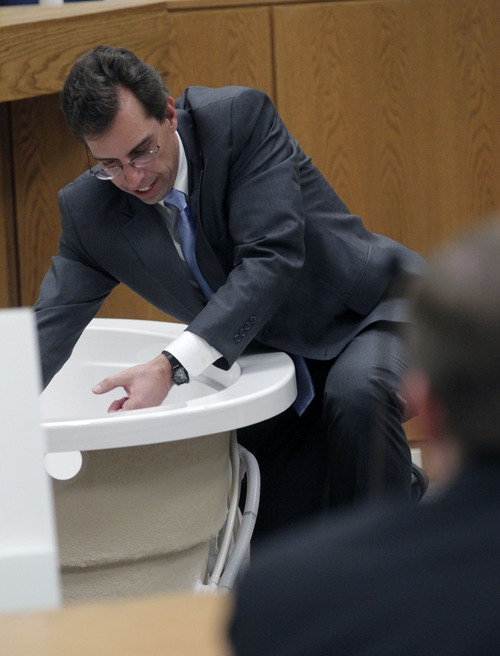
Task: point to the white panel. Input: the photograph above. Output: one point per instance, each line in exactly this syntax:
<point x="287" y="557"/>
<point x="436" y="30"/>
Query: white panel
<point x="29" y="576"/>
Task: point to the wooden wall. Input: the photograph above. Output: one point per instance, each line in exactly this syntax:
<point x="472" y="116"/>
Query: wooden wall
<point x="399" y="104"/>
<point x="9" y="292"/>
<point x="397" y="101"/>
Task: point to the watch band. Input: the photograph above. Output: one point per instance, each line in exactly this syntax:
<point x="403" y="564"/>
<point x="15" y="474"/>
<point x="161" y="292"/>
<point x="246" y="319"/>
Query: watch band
<point x="179" y="374"/>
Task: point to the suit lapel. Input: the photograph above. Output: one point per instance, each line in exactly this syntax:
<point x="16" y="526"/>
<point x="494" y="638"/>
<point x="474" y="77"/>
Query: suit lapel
<point x="151" y="241"/>
<point x="208" y="263"/>
<point x="187" y="132"/>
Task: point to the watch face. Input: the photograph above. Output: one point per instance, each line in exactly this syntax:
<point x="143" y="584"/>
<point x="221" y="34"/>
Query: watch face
<point x="180" y="376"/>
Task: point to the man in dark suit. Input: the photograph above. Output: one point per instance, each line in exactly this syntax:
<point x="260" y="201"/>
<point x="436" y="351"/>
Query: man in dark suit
<point x="398" y="579"/>
<point x="286" y="265"/>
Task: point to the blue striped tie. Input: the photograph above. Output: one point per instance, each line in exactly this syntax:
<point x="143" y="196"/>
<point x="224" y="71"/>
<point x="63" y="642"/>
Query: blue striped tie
<point x="187" y="234"/>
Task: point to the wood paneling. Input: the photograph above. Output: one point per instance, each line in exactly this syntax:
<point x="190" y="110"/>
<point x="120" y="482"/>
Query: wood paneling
<point x="398" y="103"/>
<point x="44" y="160"/>
<point x="8" y="248"/>
<point x="40" y="44"/>
<point x="220" y="47"/>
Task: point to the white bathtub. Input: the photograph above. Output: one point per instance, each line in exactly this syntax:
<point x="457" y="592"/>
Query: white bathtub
<point x="257" y="387"/>
<point x="152" y="494"/>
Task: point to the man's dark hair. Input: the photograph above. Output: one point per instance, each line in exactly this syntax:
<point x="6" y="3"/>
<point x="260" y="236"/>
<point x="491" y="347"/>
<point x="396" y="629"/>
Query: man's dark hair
<point x="89" y="98"/>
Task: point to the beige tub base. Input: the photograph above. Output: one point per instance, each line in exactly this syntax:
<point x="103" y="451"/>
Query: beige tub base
<point x="140" y="520"/>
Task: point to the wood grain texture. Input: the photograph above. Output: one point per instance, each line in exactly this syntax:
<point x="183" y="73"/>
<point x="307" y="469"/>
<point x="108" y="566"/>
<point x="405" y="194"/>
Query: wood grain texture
<point x="36" y="56"/>
<point x="45" y="158"/>
<point x="220" y="47"/>
<point x="9" y="296"/>
<point x="400" y="108"/>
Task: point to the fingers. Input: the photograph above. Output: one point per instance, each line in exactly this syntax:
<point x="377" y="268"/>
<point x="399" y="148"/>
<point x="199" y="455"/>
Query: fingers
<point x="118" y="404"/>
<point x="145" y="385"/>
<point x="111" y="383"/>
<point x="126" y="403"/>
<point x="107" y="384"/>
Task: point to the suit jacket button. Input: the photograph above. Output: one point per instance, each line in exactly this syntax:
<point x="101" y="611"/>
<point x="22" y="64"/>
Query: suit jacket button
<point x="248" y="325"/>
<point x="237" y="339"/>
<point x="253" y="319"/>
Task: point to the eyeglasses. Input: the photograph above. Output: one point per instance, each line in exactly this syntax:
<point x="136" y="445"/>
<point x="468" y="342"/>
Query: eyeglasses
<point x="111" y="172"/>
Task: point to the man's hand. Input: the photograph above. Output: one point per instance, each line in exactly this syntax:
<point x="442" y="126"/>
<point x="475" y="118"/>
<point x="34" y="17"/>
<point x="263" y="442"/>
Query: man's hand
<point x="146" y="385"/>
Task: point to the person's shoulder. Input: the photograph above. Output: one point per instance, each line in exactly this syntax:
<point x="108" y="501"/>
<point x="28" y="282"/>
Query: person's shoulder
<point x="84" y="183"/>
<point x="198" y="97"/>
<point x="89" y="195"/>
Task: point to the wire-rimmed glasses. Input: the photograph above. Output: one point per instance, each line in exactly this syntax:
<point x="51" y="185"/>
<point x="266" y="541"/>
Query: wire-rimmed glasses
<point x="110" y="172"/>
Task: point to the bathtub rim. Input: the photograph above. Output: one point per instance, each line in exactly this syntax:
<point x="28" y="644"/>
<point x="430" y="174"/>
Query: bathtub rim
<point x="261" y="385"/>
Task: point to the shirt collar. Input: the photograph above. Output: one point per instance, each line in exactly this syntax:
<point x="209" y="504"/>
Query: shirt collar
<point x="181" y="181"/>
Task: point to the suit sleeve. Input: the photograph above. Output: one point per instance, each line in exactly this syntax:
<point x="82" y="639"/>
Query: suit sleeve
<point x="71" y="293"/>
<point x="266" y="224"/>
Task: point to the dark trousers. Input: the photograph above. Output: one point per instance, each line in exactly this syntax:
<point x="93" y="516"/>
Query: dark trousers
<point x="348" y="447"/>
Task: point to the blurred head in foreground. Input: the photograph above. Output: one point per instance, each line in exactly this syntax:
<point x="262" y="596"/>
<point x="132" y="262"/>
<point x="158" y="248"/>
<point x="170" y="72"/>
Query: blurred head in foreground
<point x="455" y="340"/>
